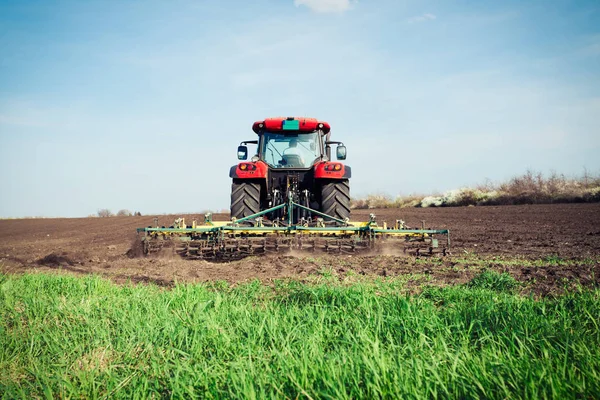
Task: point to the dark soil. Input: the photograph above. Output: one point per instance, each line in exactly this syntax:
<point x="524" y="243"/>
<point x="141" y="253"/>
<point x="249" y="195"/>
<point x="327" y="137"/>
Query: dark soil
<point x="55" y="260"/>
<point x="549" y="248"/>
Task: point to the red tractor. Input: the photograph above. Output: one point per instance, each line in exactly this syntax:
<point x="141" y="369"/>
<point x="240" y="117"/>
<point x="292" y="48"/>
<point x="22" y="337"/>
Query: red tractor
<point x="293" y="163"/>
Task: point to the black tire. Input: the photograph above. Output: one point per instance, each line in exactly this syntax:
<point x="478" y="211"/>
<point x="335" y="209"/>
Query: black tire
<point x="335" y="199"/>
<point x="245" y="198"/>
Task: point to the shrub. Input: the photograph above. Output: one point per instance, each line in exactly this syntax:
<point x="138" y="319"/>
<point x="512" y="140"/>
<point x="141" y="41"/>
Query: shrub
<point x="460" y="197"/>
<point x="385" y="201"/>
<point x="124" y="213"/>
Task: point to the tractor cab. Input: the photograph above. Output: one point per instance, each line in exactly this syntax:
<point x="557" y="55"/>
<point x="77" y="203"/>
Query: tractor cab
<point x="292" y="143"/>
<point x="290" y="150"/>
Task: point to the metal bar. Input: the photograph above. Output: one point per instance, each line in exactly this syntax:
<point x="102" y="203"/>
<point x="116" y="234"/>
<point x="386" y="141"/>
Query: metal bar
<point x="319" y="213"/>
<point x="257" y="228"/>
<point x="213" y="229"/>
<point x="419" y="231"/>
<point x="181" y="230"/>
<point x="329" y="229"/>
<point x="290" y="209"/>
<point x="258" y="214"/>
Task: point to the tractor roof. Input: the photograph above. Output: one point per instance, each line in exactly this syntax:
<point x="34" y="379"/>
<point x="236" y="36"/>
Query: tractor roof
<point x="295" y="124"/>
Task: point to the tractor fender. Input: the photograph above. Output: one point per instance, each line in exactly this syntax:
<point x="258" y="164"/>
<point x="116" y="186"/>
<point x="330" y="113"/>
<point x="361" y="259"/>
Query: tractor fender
<point x="347" y="172"/>
<point x="323" y="171"/>
<point x="249" y="170"/>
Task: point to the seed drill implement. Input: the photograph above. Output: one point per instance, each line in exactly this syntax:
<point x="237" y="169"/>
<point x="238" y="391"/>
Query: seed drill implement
<point x="289" y="196"/>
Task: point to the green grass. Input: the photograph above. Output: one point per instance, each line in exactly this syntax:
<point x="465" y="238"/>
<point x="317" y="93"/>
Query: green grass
<point x="62" y="336"/>
<point x="491" y="280"/>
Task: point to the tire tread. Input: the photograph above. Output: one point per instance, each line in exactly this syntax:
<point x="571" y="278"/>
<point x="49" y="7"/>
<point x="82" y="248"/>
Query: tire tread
<point x="335" y="199"/>
<point x="245" y="198"/>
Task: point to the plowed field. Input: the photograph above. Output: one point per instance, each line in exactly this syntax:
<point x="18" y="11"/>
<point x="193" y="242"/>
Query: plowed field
<point x="549" y="246"/>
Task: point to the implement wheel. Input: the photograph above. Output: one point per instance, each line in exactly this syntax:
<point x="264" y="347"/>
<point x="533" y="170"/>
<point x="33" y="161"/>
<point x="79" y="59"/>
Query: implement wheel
<point x="245" y="198"/>
<point x="335" y="199"/>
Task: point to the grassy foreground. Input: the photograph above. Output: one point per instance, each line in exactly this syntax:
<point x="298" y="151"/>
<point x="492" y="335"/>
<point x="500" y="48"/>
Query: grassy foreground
<point x="62" y="336"/>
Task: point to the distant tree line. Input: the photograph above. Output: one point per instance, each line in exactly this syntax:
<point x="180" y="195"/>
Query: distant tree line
<point x="105" y="212"/>
<point x="529" y="188"/>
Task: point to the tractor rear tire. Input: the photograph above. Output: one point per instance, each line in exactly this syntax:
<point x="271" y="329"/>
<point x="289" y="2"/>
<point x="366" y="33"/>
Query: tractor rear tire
<point x="245" y="198"/>
<point x="335" y="199"/>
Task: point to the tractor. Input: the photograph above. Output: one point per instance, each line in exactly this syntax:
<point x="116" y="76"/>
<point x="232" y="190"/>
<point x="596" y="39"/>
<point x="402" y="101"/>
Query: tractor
<point x="292" y="162"/>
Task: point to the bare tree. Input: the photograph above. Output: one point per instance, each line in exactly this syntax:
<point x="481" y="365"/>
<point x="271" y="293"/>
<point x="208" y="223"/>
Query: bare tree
<point x="105" y="212"/>
<point x="124" y="213"/>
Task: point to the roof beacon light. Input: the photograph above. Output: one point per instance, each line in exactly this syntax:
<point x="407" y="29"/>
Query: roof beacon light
<point x="300" y="124"/>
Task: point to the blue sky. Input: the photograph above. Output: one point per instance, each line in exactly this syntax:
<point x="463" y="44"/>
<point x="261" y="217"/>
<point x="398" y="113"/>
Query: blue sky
<point x="141" y="104"/>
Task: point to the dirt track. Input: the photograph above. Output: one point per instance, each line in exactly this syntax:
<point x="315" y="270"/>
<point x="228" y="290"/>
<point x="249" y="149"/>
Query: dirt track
<point x="481" y="236"/>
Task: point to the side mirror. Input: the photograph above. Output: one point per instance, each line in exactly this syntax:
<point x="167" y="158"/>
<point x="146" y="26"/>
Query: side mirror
<point x="242" y="153"/>
<point x="340" y="152"/>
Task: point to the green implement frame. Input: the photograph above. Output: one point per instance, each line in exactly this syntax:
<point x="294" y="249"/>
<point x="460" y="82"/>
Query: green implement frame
<point x="254" y="234"/>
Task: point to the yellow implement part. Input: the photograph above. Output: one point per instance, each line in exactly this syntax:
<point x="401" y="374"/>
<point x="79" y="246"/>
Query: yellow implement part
<point x="354" y="224"/>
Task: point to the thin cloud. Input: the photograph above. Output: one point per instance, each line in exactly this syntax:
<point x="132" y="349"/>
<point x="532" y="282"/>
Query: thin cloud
<point x="326" y="6"/>
<point x="16" y="121"/>
<point x="19" y="115"/>
<point x="592" y="46"/>
<point x="421" y="18"/>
